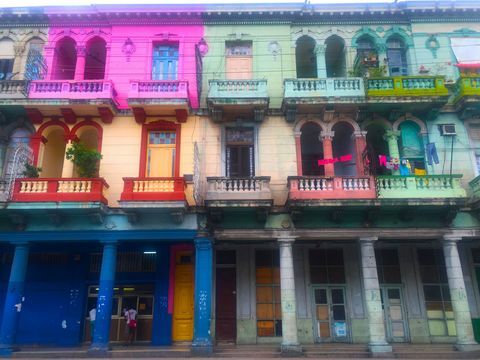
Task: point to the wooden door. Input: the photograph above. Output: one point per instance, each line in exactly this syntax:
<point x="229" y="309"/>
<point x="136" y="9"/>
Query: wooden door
<point x="238" y="67"/>
<point x="160" y="154"/>
<point x="226" y="304"/>
<point x="182" y="327"/>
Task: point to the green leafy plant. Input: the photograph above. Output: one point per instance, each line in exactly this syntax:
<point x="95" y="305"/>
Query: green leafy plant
<point x="31" y="171"/>
<point x="380" y="71"/>
<point x="85" y="159"/>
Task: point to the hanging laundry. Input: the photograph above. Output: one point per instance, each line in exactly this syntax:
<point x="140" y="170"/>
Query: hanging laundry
<point x="419" y="172"/>
<point x="382" y="160"/>
<point x="343" y="158"/>
<point x="405" y="167"/>
<point x="432" y="154"/>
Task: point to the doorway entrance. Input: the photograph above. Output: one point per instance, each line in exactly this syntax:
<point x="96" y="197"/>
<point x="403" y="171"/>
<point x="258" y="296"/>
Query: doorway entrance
<point x="330" y="314"/>
<point x="226" y="296"/>
<point x="138" y="297"/>
<point x="182" y="329"/>
<point x="392" y="305"/>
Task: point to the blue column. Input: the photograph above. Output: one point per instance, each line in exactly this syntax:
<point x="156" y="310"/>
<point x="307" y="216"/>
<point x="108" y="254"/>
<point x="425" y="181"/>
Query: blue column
<point x="202" y="340"/>
<point x="13" y="299"/>
<point x="162" y="320"/>
<point x="101" y="333"/>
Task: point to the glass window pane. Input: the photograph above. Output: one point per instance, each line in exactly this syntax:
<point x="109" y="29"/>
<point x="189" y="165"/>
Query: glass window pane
<point x="437" y="328"/>
<point x="426" y="256"/>
<point x="226" y="257"/>
<point x="335" y="257"/>
<point x="278" y="327"/>
<point x="392" y="275"/>
<point x="451" y="329"/>
<point x="336" y="275"/>
<point x="337" y="296"/>
<point x="432" y="293"/>
<point x="317" y="257"/>
<point x="145" y="306"/>
<point x="318" y="275"/>
<point x="429" y="274"/>
<point x="320" y="296"/>
<point x="265" y="328"/>
<point x="338" y="312"/>
<point x="397" y="330"/>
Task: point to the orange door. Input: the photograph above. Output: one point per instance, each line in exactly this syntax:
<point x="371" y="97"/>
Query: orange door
<point x="183" y="298"/>
<point x="238" y="67"/>
<point x="160" y="154"/>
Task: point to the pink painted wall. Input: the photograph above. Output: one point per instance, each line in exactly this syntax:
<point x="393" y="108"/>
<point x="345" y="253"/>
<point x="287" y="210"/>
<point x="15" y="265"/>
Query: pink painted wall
<point x="120" y="68"/>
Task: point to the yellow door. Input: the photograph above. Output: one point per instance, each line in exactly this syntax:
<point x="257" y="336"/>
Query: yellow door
<point x="183" y="298"/>
<point x="239" y="67"/>
<point x="160" y="154"/>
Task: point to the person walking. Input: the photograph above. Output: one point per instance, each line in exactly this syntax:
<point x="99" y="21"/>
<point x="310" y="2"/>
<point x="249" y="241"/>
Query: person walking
<point x="131" y="326"/>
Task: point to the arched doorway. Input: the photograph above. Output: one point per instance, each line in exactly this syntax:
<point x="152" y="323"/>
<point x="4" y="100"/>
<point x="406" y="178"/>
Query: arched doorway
<point x="65" y="60"/>
<point x="335" y="56"/>
<point x="312" y="150"/>
<point x="95" y="59"/>
<point x="376" y="146"/>
<point x="367" y="55"/>
<point x="88" y="136"/>
<point x="305" y="57"/>
<point x="53" y="153"/>
<point x="411" y="146"/>
<point x="397" y="56"/>
<point x="344" y="145"/>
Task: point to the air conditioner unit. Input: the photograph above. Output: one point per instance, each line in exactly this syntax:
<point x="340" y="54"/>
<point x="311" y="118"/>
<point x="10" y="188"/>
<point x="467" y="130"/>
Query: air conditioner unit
<point x="448" y="130"/>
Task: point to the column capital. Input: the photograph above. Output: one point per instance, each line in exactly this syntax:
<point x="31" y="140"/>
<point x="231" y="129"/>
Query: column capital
<point x="359" y="134"/>
<point x="367" y="239"/>
<point x="451" y="238"/>
<point x="81" y="50"/>
<point x="286" y="240"/>
<point x="389" y="134"/>
<point x="297" y="133"/>
<point x="326" y="135"/>
<point x="203" y="243"/>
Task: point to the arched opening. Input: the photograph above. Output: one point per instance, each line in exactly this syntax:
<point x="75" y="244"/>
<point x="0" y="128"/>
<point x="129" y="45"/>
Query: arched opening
<point x="376" y="147"/>
<point x="19" y="137"/>
<point x="411" y="147"/>
<point x="7" y="58"/>
<point x="53" y="153"/>
<point x="87" y="135"/>
<point x="65" y="60"/>
<point x="367" y="55"/>
<point x="344" y="145"/>
<point x="35" y="67"/>
<point x="305" y="57"/>
<point x="95" y="59"/>
<point x="397" y="56"/>
<point x="335" y="56"/>
<point x="312" y="150"/>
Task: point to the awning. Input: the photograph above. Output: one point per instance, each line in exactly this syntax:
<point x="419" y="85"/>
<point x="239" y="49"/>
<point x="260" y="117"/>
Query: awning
<point x="468" y="66"/>
<point x="466" y="50"/>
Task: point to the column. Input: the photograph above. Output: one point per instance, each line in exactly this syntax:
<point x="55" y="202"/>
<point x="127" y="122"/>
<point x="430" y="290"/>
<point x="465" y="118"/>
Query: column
<point x="80" y="65"/>
<point x="298" y="148"/>
<point x="202" y="340"/>
<point x="321" y="64"/>
<point x="360" y="145"/>
<point x="13" y="299"/>
<point x="18" y="65"/>
<point x="392" y="140"/>
<point x="327" y="138"/>
<point x="67" y="171"/>
<point x="290" y="343"/>
<point x="101" y="335"/>
<point x="458" y="294"/>
<point x="3" y="152"/>
<point x="373" y="303"/>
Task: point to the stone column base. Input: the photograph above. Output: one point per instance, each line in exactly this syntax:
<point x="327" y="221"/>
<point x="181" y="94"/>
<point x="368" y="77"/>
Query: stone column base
<point x="467" y="347"/>
<point x="380" y="350"/>
<point x="203" y="349"/>
<point x="294" y="350"/>
<point x="98" y="351"/>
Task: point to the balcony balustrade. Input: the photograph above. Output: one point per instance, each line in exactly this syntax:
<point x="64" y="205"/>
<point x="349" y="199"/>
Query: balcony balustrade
<point x="59" y="190"/>
<point x="158" y="89"/>
<point x="324" y="88"/>
<point x="153" y="189"/>
<point x="72" y="89"/>
<point x="323" y="188"/>
<point x="428" y="186"/>
<point x="407" y="86"/>
<point x="238" y="189"/>
<point x="238" y="89"/>
<point x="12" y="89"/>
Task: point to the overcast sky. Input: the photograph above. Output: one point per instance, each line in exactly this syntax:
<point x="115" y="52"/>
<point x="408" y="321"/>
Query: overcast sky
<point x="19" y="3"/>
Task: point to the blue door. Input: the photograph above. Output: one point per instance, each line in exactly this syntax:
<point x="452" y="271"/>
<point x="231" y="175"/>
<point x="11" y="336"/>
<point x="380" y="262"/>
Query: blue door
<point x="165" y="62"/>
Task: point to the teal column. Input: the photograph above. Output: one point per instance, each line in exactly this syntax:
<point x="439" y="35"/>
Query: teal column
<point x="321" y="64"/>
<point x="202" y="340"/>
<point x="392" y="141"/>
<point x="101" y="335"/>
<point x="13" y="299"/>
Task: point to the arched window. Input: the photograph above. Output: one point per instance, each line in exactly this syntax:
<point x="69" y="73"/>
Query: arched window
<point x="95" y="59"/>
<point x="53" y="153"/>
<point x="312" y="150"/>
<point x="335" y="56"/>
<point x="367" y="54"/>
<point x="65" y="60"/>
<point x="18" y="138"/>
<point x="397" y="56"/>
<point x="305" y="57"/>
<point x="344" y="145"/>
<point x="376" y="146"/>
<point x="411" y="145"/>
<point x="34" y="64"/>
<point x="7" y="58"/>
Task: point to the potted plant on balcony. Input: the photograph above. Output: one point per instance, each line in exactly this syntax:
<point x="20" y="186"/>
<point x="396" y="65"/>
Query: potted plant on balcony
<point x="30" y="171"/>
<point x="85" y="159"/>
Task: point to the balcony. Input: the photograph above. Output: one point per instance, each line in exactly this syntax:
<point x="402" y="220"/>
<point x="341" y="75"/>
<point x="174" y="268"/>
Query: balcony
<point x="153" y="189"/>
<point x="304" y="93"/>
<point x="12" y="90"/>
<point x="238" y="192"/>
<point x="420" y="187"/>
<point x="467" y="95"/>
<point x="408" y="90"/>
<point x="229" y="99"/>
<point x="70" y="98"/>
<point x="60" y="190"/>
<point x="303" y="188"/>
<point x="151" y="97"/>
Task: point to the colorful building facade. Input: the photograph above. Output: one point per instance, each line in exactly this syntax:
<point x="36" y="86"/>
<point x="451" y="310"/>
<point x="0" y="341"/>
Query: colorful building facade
<point x="291" y="174"/>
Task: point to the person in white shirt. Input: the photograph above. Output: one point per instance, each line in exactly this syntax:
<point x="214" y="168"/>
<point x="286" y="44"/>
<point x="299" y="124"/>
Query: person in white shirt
<point x="131" y="326"/>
